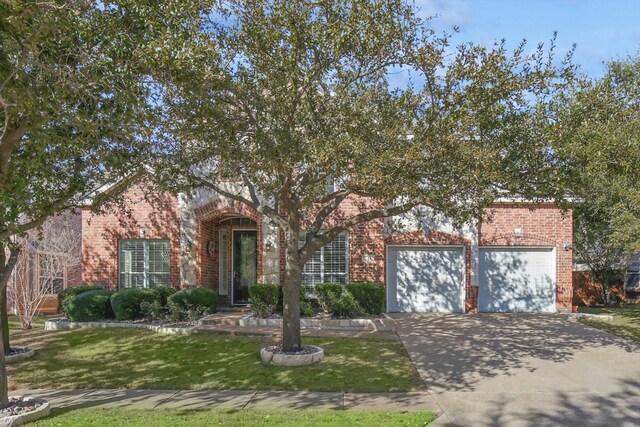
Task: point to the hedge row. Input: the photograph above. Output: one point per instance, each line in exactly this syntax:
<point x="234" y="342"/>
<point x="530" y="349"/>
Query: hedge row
<point x="89" y="303"/>
<point x="351" y="300"/>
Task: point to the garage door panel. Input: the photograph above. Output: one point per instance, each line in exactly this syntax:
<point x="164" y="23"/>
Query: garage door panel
<point x="425" y="279"/>
<point x="521" y="280"/>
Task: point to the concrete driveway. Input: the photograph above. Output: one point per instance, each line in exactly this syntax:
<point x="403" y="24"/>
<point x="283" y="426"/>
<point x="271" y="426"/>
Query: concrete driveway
<point x="523" y="370"/>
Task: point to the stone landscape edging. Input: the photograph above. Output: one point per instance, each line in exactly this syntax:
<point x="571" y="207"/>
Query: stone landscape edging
<point x="383" y="324"/>
<point x="51" y="325"/>
<point x="284" y="359"/>
<point x="575" y="316"/>
<point x="17" y="420"/>
<point x="15" y="357"/>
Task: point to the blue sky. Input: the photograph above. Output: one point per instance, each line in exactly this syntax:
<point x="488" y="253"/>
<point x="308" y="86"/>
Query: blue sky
<point x="603" y="30"/>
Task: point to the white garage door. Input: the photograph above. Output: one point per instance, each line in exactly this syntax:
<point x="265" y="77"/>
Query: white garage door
<point x="425" y="279"/>
<point x="517" y="279"/>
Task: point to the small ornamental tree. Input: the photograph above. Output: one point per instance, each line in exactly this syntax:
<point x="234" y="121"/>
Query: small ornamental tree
<point x="73" y="101"/>
<point x="287" y="96"/>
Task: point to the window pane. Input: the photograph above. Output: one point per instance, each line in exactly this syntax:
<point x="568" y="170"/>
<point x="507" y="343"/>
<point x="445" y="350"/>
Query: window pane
<point x="329" y="264"/>
<point x="144" y="263"/>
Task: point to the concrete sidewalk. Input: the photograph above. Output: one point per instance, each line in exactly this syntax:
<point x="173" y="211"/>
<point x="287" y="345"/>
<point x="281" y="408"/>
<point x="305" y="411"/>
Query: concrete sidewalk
<point x="231" y="399"/>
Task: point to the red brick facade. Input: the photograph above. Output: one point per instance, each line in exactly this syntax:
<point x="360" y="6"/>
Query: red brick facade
<point x="142" y="214"/>
<point x="544" y="225"/>
<point x="159" y="217"/>
<point x="208" y="225"/>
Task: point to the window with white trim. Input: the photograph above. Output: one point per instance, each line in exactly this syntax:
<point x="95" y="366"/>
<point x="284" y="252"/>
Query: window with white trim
<point x="144" y="263"/>
<point x="328" y="264"/>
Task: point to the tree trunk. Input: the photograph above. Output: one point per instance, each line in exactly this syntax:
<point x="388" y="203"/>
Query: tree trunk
<point x="4" y="279"/>
<point x="4" y="382"/>
<point x="4" y="319"/>
<point x="291" y="299"/>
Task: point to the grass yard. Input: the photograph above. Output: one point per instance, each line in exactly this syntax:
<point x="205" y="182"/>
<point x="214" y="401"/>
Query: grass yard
<point x="161" y="418"/>
<point x="137" y="359"/>
<point x="625" y="323"/>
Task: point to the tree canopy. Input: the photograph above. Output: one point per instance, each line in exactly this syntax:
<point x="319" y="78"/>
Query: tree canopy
<point x="598" y="143"/>
<point x="284" y="96"/>
<point x="74" y="105"/>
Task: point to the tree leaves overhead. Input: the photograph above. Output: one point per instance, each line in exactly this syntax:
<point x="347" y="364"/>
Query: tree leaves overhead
<point x="289" y="93"/>
<point x="597" y="139"/>
<point x="75" y="98"/>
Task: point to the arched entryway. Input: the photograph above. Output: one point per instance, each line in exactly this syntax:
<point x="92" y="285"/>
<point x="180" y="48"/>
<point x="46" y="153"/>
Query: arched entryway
<point x="230" y="251"/>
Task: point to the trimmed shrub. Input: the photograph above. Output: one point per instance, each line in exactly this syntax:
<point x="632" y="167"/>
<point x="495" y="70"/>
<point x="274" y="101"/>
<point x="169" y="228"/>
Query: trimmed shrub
<point x="67" y="295"/>
<point x="126" y="303"/>
<point x="89" y="306"/>
<point x="369" y="296"/>
<point x="306" y="308"/>
<point x="157" y="308"/>
<point x="192" y="303"/>
<point x="347" y="306"/>
<point x="264" y="299"/>
<point x="328" y="295"/>
<point x="163" y="293"/>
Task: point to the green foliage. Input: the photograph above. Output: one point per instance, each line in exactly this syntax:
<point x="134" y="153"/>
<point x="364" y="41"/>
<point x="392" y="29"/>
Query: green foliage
<point x="126" y="303"/>
<point x="347" y="306"/>
<point x="307" y="102"/>
<point x="163" y="293"/>
<point x="192" y="303"/>
<point x="265" y="299"/>
<point x="370" y="296"/>
<point x="597" y="140"/>
<point x="67" y="295"/>
<point x="328" y="295"/>
<point x="306" y="308"/>
<point x="89" y="306"/>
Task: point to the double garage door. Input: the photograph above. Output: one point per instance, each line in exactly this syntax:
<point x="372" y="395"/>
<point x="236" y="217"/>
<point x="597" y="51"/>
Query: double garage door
<point x="432" y="279"/>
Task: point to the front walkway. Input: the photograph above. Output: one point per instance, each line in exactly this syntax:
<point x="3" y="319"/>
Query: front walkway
<point x="523" y="370"/>
<point x="231" y="399"/>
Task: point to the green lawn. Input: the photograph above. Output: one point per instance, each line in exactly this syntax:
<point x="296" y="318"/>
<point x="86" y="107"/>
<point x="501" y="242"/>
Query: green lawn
<point x="625" y="323"/>
<point x="160" y="418"/>
<point x="15" y="325"/>
<point x="136" y="359"/>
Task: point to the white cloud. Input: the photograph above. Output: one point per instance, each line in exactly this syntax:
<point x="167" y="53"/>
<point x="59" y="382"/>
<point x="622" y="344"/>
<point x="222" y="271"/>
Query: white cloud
<point x="448" y="12"/>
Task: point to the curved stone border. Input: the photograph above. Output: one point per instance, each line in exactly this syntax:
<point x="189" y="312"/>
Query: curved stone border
<point x="284" y="359"/>
<point x="51" y="325"/>
<point x="385" y="324"/>
<point x="17" y="420"/>
<point x="20" y="356"/>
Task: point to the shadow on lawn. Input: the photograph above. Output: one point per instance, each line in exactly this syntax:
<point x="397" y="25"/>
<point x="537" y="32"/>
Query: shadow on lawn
<point x="132" y="359"/>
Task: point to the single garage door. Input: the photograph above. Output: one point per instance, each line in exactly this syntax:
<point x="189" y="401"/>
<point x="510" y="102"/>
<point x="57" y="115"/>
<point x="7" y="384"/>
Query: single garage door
<point x="517" y="280"/>
<point x="425" y="279"/>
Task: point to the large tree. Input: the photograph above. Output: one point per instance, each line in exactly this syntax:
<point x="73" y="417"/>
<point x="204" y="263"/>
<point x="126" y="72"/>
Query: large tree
<point x="597" y="139"/>
<point x="74" y="98"/>
<point x="286" y="95"/>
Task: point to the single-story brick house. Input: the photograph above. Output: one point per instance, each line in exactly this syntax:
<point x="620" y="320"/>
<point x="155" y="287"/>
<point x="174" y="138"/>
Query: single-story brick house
<point x="518" y="258"/>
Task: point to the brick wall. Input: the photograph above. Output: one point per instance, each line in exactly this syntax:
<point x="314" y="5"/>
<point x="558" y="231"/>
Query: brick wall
<point x="208" y="225"/>
<point x="544" y="225"/>
<point x="140" y="208"/>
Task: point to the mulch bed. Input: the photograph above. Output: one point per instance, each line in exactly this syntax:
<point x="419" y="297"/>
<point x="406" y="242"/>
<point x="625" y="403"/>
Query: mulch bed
<point x="17" y="406"/>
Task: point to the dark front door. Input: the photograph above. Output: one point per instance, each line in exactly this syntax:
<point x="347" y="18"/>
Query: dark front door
<point x="245" y="264"/>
